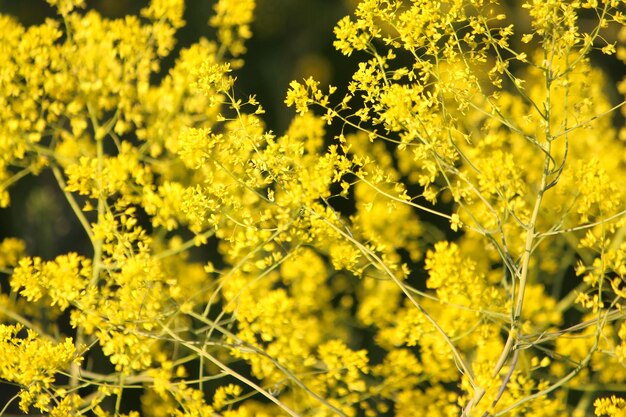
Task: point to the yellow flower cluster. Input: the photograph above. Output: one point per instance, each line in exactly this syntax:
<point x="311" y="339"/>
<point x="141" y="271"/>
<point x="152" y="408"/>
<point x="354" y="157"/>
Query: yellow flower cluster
<point x="62" y="280"/>
<point x="444" y="238"/>
<point x="611" y="407"/>
<point x="232" y="19"/>
<point x="32" y="363"/>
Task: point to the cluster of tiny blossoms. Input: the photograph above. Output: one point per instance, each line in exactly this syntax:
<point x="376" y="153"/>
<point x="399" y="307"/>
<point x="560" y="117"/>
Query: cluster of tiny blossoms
<point x="478" y="271"/>
<point x="512" y="129"/>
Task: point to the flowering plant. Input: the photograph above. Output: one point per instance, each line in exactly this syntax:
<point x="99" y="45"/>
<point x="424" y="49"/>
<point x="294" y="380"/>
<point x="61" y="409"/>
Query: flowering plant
<point x="456" y="248"/>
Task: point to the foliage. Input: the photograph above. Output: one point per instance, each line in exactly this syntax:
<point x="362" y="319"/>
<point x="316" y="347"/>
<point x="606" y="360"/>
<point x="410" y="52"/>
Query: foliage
<point x="456" y="248"/>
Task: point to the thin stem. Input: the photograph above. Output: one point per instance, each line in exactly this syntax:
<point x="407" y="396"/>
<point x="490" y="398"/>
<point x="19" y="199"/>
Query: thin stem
<point x="118" y="401"/>
<point x="184" y="246"/>
<point x="464" y="368"/>
<point x="72" y="202"/>
<point x="226" y="369"/>
<point x="245" y="347"/>
<point x="96" y="243"/>
<point x="583" y="226"/>
<point x="563" y="380"/>
<point x="531" y="235"/>
<point x="15" y="178"/>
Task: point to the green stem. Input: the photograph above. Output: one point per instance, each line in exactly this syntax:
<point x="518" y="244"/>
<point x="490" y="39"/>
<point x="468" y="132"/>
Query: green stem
<point x="96" y="243"/>
<point x="531" y="235"/>
<point x="183" y="247"/>
<point x="72" y="202"/>
<point x="120" y="389"/>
